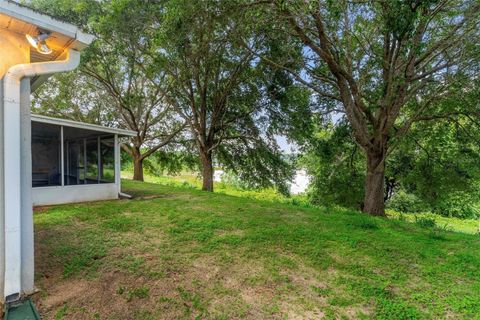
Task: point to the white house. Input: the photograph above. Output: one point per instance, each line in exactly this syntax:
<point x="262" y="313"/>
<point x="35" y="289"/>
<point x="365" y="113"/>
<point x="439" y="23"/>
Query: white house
<point x="34" y="46"/>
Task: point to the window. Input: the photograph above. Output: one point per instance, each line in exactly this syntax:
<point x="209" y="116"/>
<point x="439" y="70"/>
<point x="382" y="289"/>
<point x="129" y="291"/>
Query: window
<point x="89" y="160"/>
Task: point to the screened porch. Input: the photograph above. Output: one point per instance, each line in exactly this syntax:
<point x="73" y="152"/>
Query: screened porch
<point x="67" y="153"/>
<point x="88" y="156"/>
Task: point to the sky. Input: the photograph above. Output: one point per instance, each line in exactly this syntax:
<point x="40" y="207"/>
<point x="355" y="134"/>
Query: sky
<point x="284" y="145"/>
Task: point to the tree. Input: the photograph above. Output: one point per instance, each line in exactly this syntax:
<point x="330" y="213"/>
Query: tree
<point x="127" y="86"/>
<point x="382" y="64"/>
<point x="85" y="104"/>
<point x="437" y="162"/>
<point x="434" y="168"/>
<point x="218" y="89"/>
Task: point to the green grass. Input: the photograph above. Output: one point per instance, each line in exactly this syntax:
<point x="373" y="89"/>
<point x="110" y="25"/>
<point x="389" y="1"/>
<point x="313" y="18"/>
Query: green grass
<point x="471" y="226"/>
<point x="174" y="252"/>
<point x="192" y="181"/>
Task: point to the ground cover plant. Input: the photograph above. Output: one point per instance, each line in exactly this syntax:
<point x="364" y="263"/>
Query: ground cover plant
<point x="175" y="252"/>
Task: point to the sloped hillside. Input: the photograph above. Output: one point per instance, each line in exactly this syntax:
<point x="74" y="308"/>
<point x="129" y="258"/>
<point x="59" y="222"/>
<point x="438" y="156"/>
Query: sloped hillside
<point x="179" y="253"/>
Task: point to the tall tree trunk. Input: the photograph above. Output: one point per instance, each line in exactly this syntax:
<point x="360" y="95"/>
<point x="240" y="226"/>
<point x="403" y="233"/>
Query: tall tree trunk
<point x="207" y="171"/>
<point x="137" y="166"/>
<point x="374" y="184"/>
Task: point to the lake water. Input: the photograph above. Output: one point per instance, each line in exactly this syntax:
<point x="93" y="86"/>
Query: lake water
<point x="299" y="184"/>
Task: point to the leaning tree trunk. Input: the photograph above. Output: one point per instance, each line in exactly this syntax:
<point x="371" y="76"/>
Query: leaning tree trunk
<point x="207" y="171"/>
<point x="374" y="184"/>
<point x="137" y="166"/>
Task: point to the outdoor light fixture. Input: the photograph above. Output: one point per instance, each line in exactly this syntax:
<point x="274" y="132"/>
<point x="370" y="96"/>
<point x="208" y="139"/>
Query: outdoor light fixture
<point x="38" y="42"/>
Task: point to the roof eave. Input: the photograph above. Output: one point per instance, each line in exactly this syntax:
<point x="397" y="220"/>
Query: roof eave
<point x="43" y="21"/>
<point x="80" y="39"/>
<point x="82" y="125"/>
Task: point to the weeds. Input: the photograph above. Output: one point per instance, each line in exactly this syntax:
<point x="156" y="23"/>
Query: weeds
<point x="425" y="222"/>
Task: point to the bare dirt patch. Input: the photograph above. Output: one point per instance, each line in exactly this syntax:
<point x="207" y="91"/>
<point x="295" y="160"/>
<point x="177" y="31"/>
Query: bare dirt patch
<point x="112" y="296"/>
<point x="41" y="209"/>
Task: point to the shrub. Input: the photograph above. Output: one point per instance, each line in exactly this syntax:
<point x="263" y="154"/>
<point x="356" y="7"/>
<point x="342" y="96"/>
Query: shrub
<point x="456" y="205"/>
<point x="402" y="201"/>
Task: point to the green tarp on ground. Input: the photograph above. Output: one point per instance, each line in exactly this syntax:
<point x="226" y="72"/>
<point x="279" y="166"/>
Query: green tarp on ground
<point x="22" y="310"/>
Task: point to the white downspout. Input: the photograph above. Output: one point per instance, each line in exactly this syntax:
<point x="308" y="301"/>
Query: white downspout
<point x="12" y="163"/>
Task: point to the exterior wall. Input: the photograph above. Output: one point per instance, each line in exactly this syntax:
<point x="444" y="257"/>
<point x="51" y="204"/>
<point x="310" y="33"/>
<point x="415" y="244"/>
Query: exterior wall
<point x="15" y="50"/>
<point x="71" y="194"/>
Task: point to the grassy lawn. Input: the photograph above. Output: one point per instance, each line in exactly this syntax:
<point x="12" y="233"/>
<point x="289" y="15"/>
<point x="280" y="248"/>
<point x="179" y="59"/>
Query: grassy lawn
<point x="174" y="252"/>
<point x="471" y="226"/>
<point x="193" y="181"/>
<point x="190" y="180"/>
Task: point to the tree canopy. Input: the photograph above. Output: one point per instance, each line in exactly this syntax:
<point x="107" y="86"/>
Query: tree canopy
<point x="118" y="78"/>
<point x="383" y="65"/>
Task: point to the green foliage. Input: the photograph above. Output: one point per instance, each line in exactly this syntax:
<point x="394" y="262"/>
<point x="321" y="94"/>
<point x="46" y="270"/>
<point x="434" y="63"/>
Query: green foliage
<point x="435" y="169"/>
<point x="222" y="90"/>
<point x="78" y="12"/>
<point x="425" y="222"/>
<point x="172" y="163"/>
<point x="404" y="202"/>
<point x="336" y="165"/>
<point x="230" y="179"/>
<point x="258" y="167"/>
<point x="380" y="66"/>
<point x="458" y="204"/>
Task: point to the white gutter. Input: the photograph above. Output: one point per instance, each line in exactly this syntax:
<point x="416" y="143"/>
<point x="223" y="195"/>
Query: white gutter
<point x="11" y="248"/>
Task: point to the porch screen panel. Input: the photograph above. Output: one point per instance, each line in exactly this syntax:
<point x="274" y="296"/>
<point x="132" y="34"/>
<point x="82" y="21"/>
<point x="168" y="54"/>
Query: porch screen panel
<point x="89" y="156"/>
<point x="92" y="160"/>
<point x="74" y="162"/>
<point x="107" y="163"/>
<point x="45" y="155"/>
